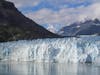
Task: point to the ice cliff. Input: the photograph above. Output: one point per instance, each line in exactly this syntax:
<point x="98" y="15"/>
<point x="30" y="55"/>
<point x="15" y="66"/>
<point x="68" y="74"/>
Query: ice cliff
<point x="61" y="50"/>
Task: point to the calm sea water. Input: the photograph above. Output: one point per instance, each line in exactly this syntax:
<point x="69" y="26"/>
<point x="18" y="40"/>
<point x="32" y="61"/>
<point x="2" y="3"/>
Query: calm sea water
<point x="30" y="68"/>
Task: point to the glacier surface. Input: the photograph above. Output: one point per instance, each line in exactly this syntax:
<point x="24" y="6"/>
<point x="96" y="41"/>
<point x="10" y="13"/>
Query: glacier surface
<point x="61" y="50"/>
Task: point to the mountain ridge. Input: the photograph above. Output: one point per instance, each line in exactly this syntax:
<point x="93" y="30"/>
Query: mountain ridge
<point x="15" y="26"/>
<point x="88" y="27"/>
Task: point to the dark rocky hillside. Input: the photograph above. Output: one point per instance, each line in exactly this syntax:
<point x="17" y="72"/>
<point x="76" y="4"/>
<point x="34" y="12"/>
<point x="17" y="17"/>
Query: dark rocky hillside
<point x="15" y="26"/>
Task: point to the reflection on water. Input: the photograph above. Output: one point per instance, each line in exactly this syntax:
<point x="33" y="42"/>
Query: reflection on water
<point x="30" y="68"/>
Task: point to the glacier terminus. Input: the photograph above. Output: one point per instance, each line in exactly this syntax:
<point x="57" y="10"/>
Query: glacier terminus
<point x="60" y="50"/>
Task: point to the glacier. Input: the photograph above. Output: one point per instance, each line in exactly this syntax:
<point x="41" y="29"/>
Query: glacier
<point x="59" y="50"/>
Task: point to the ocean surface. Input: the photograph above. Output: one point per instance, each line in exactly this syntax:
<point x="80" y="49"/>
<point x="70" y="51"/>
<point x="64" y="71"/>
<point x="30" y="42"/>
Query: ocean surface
<point x="31" y="68"/>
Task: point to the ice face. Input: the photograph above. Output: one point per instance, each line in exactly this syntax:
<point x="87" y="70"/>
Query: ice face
<point x="61" y="50"/>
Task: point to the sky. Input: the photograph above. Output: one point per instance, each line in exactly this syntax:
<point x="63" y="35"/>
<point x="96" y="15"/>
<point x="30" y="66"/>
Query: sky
<point x="54" y="14"/>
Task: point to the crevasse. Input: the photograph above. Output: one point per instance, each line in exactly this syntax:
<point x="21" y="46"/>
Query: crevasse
<point x="61" y="50"/>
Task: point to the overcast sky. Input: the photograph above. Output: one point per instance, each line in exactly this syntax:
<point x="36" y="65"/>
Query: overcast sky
<point x="58" y="13"/>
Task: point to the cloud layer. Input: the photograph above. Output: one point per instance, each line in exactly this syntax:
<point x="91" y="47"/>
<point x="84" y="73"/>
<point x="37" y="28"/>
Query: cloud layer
<point x="25" y="3"/>
<point x="65" y="16"/>
<point x="69" y="11"/>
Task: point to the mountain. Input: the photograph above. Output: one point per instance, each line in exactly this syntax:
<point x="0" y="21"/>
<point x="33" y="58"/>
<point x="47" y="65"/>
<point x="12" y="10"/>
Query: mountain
<point x="15" y="26"/>
<point x="89" y="27"/>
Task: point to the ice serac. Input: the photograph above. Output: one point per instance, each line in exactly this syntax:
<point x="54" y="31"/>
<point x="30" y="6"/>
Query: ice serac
<point x="61" y="50"/>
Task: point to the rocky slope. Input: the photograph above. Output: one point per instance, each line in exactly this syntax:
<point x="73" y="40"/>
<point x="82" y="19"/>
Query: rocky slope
<point x="15" y="26"/>
<point x="89" y="27"/>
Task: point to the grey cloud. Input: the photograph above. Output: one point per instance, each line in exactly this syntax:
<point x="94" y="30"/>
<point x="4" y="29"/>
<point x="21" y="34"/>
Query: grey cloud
<point x="25" y="3"/>
<point x="65" y="16"/>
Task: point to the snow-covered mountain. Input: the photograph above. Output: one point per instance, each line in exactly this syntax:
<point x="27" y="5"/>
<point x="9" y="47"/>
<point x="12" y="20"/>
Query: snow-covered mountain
<point x="51" y="28"/>
<point x="89" y="27"/>
<point x="61" y="50"/>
